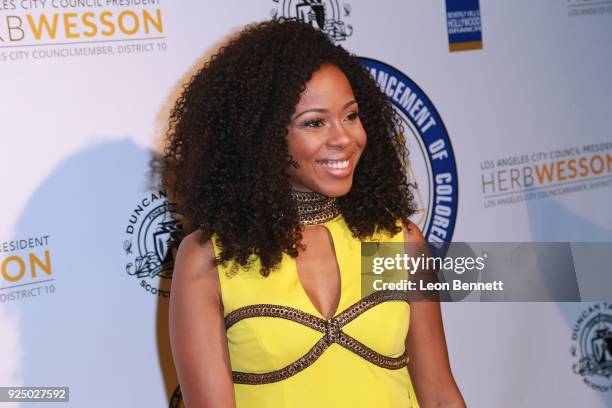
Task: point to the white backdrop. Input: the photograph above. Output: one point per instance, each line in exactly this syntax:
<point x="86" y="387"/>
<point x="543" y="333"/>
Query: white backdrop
<point x="83" y="109"/>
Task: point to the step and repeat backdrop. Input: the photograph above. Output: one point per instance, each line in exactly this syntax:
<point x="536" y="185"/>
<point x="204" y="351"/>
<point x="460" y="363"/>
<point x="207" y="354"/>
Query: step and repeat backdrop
<point x="507" y="108"/>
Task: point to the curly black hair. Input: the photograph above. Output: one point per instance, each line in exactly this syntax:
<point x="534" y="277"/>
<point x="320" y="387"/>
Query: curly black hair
<point x="225" y="155"/>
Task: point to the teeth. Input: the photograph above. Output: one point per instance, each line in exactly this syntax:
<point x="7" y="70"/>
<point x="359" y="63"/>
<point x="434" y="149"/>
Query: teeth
<point x="334" y="164"/>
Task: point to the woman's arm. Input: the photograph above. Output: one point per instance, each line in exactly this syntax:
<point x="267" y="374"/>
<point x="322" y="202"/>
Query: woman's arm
<point x="429" y="365"/>
<point x="197" y="330"/>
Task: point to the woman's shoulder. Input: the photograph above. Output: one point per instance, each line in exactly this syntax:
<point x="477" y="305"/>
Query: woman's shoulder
<point x="409" y="232"/>
<point x="195" y="256"/>
<point x="412" y="232"/>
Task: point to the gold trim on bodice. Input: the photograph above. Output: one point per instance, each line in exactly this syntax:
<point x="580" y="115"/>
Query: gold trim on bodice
<point x="332" y="330"/>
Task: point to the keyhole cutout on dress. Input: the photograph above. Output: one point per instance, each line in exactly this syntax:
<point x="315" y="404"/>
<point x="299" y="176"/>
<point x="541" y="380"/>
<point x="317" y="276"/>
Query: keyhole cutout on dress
<point x="318" y="271"/>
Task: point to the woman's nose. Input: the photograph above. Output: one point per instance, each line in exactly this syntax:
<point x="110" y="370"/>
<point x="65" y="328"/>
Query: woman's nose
<point x="339" y="136"/>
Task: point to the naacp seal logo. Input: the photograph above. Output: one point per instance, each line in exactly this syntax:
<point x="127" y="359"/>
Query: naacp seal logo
<point x="592" y="346"/>
<point x="322" y="15"/>
<point x="151" y="242"/>
<point x="432" y="171"/>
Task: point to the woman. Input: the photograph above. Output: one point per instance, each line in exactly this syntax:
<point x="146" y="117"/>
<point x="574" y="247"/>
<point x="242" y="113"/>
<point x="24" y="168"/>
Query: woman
<point x="284" y="156"/>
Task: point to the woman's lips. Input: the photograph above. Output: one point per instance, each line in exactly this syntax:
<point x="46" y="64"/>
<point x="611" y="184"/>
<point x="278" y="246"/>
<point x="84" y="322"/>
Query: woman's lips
<point x="336" y="168"/>
<point x="334" y="164"/>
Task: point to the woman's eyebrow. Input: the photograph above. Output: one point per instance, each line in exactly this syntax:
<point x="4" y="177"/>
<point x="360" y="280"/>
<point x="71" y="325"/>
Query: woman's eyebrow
<point x="322" y="110"/>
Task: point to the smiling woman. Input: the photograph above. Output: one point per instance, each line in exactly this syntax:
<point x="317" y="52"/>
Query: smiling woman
<point x="283" y="156"/>
<point x="325" y="136"/>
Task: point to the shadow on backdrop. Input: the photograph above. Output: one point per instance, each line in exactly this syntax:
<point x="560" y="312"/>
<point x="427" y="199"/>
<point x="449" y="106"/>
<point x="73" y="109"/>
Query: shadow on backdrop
<point x="100" y="333"/>
<point x="551" y="222"/>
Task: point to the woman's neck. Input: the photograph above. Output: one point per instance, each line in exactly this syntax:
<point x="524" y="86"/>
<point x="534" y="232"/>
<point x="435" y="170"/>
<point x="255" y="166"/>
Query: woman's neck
<point x="314" y="208"/>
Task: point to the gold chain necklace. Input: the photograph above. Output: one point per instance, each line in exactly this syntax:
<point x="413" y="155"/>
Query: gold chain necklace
<point x="314" y="208"/>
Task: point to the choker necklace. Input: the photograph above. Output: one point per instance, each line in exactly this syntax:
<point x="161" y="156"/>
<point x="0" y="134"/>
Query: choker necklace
<point x="314" y="208"/>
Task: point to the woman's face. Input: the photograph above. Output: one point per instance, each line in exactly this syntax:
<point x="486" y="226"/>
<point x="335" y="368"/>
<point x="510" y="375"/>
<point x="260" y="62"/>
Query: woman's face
<point x="325" y="136"/>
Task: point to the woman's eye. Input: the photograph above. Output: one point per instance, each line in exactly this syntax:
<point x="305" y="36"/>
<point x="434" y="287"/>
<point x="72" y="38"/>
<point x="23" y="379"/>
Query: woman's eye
<point x="314" y="123"/>
<point x="353" y="116"/>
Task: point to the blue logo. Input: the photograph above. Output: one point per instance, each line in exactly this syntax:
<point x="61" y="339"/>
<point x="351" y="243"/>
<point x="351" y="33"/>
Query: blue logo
<point x="432" y="169"/>
<point x="464" y="25"/>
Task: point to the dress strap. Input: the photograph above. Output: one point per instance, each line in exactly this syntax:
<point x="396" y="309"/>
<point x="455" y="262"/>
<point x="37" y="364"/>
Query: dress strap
<point x="332" y="330"/>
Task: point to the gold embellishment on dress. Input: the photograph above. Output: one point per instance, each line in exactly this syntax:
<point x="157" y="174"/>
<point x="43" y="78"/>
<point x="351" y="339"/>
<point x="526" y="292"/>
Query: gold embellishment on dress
<point x="332" y="330"/>
<point x="314" y="208"/>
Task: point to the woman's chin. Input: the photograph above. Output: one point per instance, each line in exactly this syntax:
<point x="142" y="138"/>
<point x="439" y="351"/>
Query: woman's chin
<point x="334" y="189"/>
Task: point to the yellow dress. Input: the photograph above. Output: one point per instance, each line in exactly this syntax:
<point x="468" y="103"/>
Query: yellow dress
<point x="283" y="352"/>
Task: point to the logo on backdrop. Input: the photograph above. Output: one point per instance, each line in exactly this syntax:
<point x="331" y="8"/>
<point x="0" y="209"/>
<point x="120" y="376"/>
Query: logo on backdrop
<point x="42" y="30"/>
<point x="323" y="15"/>
<point x="151" y="242"/>
<point x="592" y="346"/>
<point x="433" y="171"/>
<point x="546" y="173"/>
<point x="26" y="270"/>
<point x="586" y="8"/>
<point x="463" y="25"/>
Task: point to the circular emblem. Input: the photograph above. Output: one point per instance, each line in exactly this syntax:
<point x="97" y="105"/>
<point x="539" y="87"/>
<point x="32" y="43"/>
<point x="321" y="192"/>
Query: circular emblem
<point x="432" y="170"/>
<point x="322" y="15"/>
<point x="151" y="242"/>
<point x="592" y="346"/>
